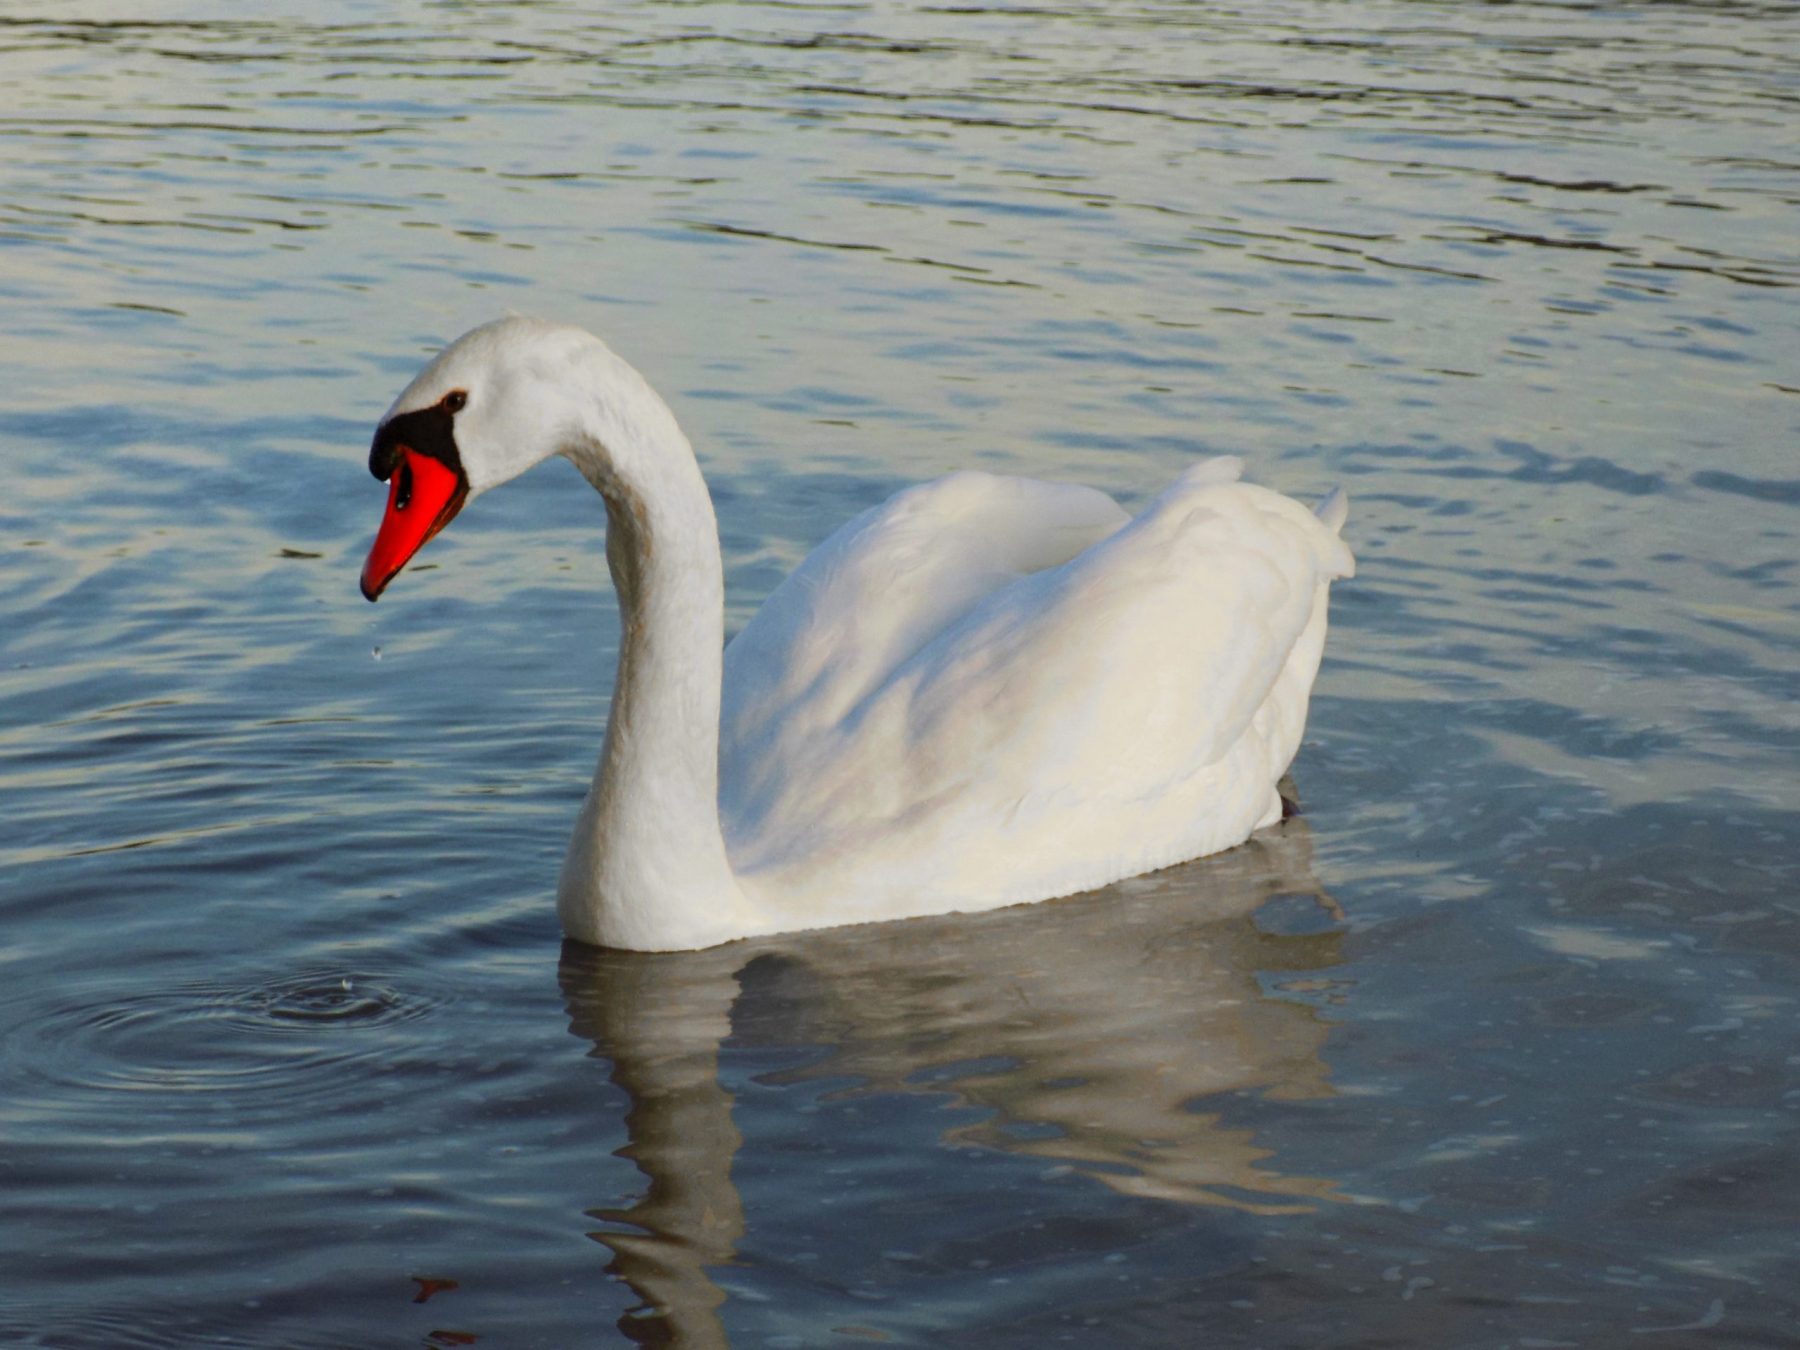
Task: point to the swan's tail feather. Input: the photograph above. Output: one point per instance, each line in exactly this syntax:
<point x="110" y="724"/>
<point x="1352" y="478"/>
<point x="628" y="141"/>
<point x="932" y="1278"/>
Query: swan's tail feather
<point x="1218" y="469"/>
<point x="1333" y="509"/>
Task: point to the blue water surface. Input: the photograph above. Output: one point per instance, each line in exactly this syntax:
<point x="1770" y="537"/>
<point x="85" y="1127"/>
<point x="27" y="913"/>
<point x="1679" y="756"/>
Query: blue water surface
<point x="1493" y="1045"/>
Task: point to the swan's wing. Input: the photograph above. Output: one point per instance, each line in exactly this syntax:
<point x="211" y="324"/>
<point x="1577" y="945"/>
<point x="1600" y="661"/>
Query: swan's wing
<point x="1082" y="723"/>
<point x="879" y="589"/>
<point x="1147" y="656"/>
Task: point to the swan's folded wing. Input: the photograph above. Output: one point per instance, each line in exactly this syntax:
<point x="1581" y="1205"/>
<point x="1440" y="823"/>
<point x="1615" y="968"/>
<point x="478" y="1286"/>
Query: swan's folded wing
<point x="1139" y="662"/>
<point x="1118" y="677"/>
<point x="879" y="589"/>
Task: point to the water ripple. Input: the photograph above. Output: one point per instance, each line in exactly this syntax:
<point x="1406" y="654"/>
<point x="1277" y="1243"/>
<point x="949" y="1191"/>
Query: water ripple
<point x="300" y="1042"/>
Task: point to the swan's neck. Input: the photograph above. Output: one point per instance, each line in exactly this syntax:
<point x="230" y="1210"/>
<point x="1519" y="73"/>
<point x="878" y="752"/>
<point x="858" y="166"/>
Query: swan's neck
<point x="647" y="867"/>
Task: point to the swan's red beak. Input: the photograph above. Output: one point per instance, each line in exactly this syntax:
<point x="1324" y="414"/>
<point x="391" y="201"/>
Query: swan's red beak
<point x="423" y="497"/>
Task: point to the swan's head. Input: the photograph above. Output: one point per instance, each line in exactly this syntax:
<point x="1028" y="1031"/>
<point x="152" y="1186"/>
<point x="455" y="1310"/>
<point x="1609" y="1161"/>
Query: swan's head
<point x="498" y="400"/>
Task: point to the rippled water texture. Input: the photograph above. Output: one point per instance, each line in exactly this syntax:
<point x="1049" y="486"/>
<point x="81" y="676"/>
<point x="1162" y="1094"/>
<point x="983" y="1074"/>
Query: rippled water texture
<point x="1494" y="1045"/>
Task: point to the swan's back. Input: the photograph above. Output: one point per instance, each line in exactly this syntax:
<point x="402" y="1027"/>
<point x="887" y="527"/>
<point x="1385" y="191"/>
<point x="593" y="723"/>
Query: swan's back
<point x="882" y="586"/>
<point x="946" y="708"/>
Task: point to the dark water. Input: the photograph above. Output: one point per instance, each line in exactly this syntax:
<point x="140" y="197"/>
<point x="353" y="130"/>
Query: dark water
<point x="1494" y="1045"/>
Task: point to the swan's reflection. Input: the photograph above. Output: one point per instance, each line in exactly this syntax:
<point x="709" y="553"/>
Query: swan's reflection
<point x="1089" y="1031"/>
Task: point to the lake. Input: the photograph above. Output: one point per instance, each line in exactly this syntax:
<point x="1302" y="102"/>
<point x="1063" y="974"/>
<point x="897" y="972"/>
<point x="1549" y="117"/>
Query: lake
<point x="1494" y="1044"/>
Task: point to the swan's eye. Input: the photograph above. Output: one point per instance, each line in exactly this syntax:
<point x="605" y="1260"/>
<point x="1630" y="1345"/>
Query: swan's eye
<point x="455" y="401"/>
<point x="403" y="490"/>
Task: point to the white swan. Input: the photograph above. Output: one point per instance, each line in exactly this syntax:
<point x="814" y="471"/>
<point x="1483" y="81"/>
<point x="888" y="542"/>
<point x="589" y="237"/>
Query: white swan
<point x="984" y="691"/>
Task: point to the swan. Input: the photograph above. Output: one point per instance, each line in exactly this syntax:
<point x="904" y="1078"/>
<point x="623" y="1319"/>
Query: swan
<point x="984" y="691"/>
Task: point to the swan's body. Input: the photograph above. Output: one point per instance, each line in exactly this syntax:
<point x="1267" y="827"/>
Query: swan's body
<point x="985" y="691"/>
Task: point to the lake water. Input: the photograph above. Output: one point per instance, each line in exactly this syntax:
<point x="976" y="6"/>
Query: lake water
<point x="1494" y="1045"/>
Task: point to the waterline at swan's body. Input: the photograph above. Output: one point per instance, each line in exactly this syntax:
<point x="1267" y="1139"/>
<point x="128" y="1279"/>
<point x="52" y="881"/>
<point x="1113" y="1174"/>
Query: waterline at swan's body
<point x="984" y="691"/>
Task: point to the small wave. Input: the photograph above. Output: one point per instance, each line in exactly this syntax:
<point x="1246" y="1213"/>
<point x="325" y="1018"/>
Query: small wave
<point x="274" y="1037"/>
